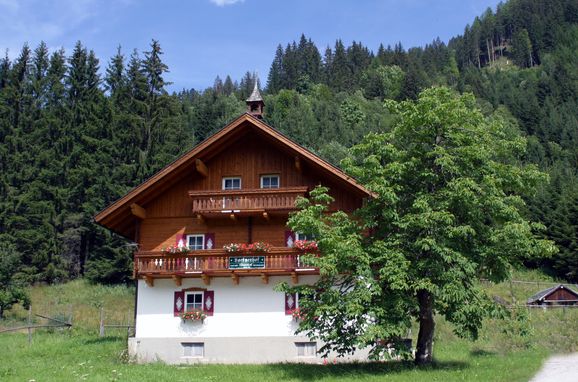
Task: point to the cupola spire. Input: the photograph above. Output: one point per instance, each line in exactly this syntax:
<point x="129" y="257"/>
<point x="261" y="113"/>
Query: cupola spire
<point x="255" y="104"/>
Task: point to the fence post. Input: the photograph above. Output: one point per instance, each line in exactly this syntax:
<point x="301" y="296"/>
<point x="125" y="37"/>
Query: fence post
<point x="30" y="325"/>
<point x="128" y="323"/>
<point x="69" y="316"/>
<point x="101" y="331"/>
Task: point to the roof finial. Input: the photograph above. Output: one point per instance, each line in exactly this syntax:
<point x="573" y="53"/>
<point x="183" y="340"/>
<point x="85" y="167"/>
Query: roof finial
<point x="255" y="102"/>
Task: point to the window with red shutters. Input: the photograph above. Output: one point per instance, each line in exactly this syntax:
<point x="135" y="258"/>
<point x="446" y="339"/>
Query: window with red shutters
<point x="180" y="240"/>
<point x="210" y="241"/>
<point x="289" y="238"/>
<point x="209" y="302"/>
<point x="290" y="303"/>
<point x="179" y="303"/>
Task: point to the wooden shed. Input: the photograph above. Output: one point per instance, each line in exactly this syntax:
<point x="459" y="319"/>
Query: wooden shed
<point x="556" y="295"/>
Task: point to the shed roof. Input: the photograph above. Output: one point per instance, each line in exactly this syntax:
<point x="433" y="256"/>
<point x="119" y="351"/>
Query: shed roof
<point x="542" y="295"/>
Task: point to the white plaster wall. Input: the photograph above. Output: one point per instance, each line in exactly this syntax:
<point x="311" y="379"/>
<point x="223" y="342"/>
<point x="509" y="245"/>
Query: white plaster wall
<point x="250" y="309"/>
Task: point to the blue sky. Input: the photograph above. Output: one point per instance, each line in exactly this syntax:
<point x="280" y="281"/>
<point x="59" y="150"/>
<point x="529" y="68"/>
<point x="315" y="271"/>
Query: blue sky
<point x="205" y="38"/>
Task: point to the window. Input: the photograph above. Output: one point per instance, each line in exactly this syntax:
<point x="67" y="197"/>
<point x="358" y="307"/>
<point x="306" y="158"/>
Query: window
<point x="302" y="236"/>
<point x="306" y="349"/>
<point x="269" y="181"/>
<point x="193" y="349"/>
<point x="196" y="242"/>
<point x="193" y="301"/>
<point x="232" y="183"/>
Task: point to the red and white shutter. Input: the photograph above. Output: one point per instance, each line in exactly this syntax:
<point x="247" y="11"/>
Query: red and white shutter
<point x="289" y="238"/>
<point x="209" y="302"/>
<point x="210" y="241"/>
<point x="290" y="303"/>
<point x="180" y="240"/>
<point x="179" y="303"/>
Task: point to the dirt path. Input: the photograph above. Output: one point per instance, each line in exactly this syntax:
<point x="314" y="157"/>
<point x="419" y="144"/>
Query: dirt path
<point x="559" y="368"/>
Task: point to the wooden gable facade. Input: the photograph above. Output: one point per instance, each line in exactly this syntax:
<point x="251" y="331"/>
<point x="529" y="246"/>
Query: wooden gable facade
<point x="186" y="203"/>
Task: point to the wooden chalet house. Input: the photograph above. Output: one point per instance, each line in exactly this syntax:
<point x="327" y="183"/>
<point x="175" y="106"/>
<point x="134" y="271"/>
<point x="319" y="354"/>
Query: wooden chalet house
<point x="190" y="220"/>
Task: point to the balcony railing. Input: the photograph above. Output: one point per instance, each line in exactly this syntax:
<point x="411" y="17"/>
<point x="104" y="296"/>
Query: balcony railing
<point x="245" y="201"/>
<point x="278" y="260"/>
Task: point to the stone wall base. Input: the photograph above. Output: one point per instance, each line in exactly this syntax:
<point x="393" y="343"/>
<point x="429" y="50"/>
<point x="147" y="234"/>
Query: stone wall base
<point x="237" y="350"/>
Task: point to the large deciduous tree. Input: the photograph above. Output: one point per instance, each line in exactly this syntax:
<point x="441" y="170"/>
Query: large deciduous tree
<point x="447" y="211"/>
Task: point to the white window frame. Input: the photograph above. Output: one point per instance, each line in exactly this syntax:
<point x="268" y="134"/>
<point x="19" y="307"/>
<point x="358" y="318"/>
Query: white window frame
<point x="302" y="236"/>
<point x="232" y="178"/>
<point x="195" y="292"/>
<point x="195" y="235"/>
<point x="193" y="346"/>
<point x="271" y="176"/>
<point x="306" y="348"/>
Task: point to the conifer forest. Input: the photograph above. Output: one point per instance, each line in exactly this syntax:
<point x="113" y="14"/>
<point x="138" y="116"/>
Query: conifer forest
<point x="78" y="131"/>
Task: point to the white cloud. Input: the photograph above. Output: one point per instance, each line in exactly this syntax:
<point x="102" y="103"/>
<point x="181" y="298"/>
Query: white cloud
<point x="33" y="21"/>
<point x="222" y="3"/>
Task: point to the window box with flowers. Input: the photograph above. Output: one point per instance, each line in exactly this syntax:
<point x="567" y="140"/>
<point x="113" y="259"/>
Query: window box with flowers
<point x="240" y="248"/>
<point x="195" y="315"/>
<point x="175" y="250"/>
<point x="306" y="245"/>
<point x="297" y="314"/>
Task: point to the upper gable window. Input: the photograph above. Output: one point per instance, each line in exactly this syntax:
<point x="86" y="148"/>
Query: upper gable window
<point x="232" y="183"/>
<point x="269" y="181"/>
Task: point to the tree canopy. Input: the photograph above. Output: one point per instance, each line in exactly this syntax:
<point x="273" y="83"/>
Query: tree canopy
<point x="448" y="208"/>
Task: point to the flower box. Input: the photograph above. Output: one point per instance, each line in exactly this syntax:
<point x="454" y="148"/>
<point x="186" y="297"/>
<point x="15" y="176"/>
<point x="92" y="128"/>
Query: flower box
<point x="306" y="245"/>
<point x="257" y="247"/>
<point x="175" y="250"/>
<point x="297" y="314"/>
<point x="193" y="315"/>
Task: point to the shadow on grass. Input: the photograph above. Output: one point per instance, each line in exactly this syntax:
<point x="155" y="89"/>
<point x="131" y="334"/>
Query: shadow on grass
<point x="308" y="372"/>
<point x="104" y="340"/>
<point x="481" y="353"/>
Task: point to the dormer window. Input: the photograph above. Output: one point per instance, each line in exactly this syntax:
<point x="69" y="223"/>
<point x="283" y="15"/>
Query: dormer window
<point x="232" y="183"/>
<point x="269" y="181"/>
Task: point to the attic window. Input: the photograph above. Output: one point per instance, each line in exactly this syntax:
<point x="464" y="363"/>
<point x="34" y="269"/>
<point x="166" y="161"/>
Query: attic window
<point x="269" y="181"/>
<point x="232" y="183"/>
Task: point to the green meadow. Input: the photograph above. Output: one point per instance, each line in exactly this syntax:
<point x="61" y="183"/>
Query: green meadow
<point x="511" y="350"/>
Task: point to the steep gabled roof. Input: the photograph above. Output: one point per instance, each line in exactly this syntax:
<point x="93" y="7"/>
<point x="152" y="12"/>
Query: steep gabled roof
<point x="117" y="216"/>
<point x="543" y="295"/>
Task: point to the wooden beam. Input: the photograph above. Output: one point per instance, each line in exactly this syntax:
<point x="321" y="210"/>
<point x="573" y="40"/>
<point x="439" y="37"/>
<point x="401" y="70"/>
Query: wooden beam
<point x="201" y="167"/>
<point x="266" y="216"/>
<point x="206" y="279"/>
<point x="138" y="211"/>
<point x="178" y="280"/>
<point x="150" y="281"/>
<point x="298" y="163"/>
<point x="294" y="278"/>
<point x="235" y="278"/>
<point x="264" y="278"/>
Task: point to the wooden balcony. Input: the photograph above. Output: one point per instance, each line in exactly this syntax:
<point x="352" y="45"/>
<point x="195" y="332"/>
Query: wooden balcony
<point x="245" y="202"/>
<point x="206" y="264"/>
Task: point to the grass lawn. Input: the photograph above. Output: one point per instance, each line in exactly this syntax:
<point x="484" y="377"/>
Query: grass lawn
<point x="78" y="354"/>
<point x="73" y="356"/>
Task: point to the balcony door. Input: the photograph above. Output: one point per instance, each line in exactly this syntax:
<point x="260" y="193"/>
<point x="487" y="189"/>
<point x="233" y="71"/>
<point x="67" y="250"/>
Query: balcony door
<point x="231" y="203"/>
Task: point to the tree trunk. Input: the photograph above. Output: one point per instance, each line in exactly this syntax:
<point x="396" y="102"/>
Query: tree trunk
<point x="424" y="347"/>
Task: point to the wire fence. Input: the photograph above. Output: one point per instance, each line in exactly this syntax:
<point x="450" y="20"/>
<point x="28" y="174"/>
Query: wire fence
<point x="48" y="323"/>
<point x="128" y="325"/>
